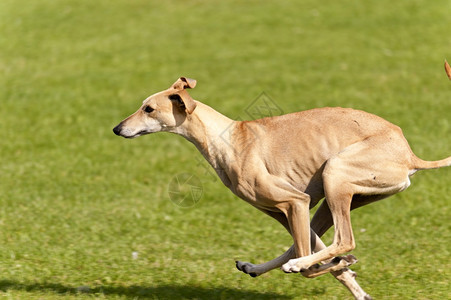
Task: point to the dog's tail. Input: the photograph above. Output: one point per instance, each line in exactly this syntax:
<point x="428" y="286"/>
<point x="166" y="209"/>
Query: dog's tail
<point x="419" y="164"/>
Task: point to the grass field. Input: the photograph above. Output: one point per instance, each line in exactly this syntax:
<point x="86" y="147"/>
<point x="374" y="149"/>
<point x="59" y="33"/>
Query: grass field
<point x="85" y="214"/>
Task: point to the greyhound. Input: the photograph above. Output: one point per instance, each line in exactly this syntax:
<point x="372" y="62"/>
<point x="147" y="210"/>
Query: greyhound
<point x="349" y="157"/>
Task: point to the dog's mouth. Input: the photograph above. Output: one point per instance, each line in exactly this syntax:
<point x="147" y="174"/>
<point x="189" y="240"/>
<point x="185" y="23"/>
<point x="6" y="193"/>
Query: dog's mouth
<point x="138" y="134"/>
<point x="129" y="133"/>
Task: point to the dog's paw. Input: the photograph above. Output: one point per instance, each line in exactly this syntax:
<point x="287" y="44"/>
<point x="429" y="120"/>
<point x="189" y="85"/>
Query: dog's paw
<point x="342" y="262"/>
<point x="345" y="261"/>
<point x="246" y="268"/>
<point x="350" y="259"/>
<point x="293" y="266"/>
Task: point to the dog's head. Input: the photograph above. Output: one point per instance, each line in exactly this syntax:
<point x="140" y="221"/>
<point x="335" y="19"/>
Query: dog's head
<point x="163" y="111"/>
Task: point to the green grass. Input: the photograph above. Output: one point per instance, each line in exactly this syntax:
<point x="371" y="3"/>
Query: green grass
<point x="77" y="201"/>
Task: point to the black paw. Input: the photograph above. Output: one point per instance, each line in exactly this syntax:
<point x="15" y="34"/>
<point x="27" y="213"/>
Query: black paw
<point x="245" y="268"/>
<point x="237" y="265"/>
<point x="242" y="266"/>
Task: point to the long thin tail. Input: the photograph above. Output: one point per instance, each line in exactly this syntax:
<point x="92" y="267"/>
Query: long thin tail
<point x="420" y="164"/>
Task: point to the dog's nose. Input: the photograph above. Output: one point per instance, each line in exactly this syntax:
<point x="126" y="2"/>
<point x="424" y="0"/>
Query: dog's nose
<point x="117" y="129"/>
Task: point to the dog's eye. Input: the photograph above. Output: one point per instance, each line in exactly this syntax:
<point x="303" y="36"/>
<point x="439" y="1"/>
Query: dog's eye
<point x="148" y="109"/>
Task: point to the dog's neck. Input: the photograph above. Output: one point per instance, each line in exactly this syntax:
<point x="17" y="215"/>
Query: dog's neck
<point x="211" y="133"/>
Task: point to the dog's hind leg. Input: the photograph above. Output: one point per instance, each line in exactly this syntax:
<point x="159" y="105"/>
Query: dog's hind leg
<point x="323" y="220"/>
<point x="338" y="268"/>
<point x="376" y="166"/>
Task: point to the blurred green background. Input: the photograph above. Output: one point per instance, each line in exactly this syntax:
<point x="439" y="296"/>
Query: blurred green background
<point x="85" y="214"/>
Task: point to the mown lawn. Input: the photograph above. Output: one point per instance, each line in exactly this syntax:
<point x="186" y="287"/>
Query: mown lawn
<point x="85" y="214"/>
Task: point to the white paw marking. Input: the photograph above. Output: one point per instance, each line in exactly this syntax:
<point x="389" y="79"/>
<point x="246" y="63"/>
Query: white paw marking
<point x="293" y="266"/>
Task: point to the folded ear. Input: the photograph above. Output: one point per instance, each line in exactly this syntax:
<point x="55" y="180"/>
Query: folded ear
<point x="184" y="83"/>
<point x="184" y="101"/>
<point x="180" y="85"/>
<point x="189" y="103"/>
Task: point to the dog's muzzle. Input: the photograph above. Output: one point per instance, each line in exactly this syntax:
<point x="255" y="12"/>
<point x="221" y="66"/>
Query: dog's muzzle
<point x="117" y="130"/>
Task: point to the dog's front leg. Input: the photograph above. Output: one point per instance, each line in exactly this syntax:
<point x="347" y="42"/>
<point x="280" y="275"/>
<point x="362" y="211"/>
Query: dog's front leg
<point x="321" y="222"/>
<point x="258" y="269"/>
<point x="298" y="216"/>
<point x="255" y="270"/>
<point x="295" y="217"/>
<point x="339" y="263"/>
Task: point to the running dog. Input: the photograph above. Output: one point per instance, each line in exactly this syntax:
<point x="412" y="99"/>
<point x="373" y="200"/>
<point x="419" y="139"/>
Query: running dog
<point x="349" y="157"/>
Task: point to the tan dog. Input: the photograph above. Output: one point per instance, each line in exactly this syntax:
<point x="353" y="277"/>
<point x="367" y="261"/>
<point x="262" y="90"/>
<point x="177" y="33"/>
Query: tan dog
<point x="349" y="157"/>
